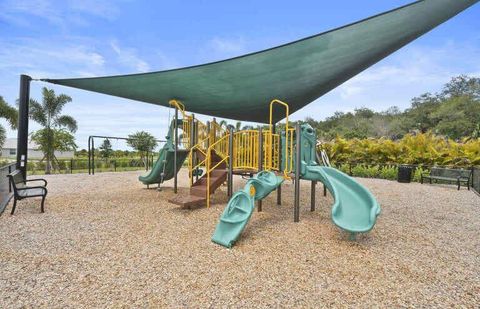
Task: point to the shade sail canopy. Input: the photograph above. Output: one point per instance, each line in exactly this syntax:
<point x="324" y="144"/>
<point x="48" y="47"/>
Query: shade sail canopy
<point x="298" y="73"/>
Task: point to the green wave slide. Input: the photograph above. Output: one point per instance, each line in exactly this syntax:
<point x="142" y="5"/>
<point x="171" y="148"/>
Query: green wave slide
<point x="355" y="209"/>
<point x="164" y="164"/>
<point x="240" y="207"/>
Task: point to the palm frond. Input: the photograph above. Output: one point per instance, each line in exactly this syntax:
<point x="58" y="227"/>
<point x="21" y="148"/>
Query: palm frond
<point x="66" y="121"/>
<point x="8" y="112"/>
<point x="37" y="112"/>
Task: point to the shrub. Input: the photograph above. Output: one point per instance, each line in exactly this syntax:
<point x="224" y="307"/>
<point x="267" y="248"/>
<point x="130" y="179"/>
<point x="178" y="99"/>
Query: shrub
<point x="389" y="172"/>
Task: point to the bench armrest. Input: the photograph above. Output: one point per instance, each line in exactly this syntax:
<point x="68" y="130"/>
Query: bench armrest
<point x="38" y="179"/>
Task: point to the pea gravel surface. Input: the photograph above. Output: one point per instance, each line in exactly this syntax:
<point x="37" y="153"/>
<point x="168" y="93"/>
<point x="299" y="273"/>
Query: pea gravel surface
<point x="107" y="241"/>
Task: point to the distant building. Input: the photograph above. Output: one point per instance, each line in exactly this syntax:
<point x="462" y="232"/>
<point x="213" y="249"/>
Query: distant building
<point x="9" y="151"/>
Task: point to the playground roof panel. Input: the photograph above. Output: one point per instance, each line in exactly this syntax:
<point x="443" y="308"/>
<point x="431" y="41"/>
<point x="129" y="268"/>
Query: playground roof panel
<point x="298" y="73"/>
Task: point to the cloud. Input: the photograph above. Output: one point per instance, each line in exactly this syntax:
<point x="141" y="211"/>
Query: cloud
<point x="128" y="57"/>
<point x="63" y="14"/>
<point x="42" y="58"/>
<point x="100" y="8"/>
<point x="222" y="48"/>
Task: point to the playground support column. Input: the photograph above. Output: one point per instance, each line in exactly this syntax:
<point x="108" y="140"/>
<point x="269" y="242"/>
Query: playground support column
<point x="279" y="189"/>
<point x="324" y="190"/>
<point x="89" y="156"/>
<point x="93" y="157"/>
<point x="192" y="143"/>
<point x="312" y="196"/>
<point x="260" y="161"/>
<point x="298" y="142"/>
<point x="175" y="153"/>
<point x="230" y="162"/>
<point x="22" y="133"/>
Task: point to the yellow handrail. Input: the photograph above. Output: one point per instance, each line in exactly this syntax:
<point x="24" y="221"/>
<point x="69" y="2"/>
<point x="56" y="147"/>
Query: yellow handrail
<point x="269" y="161"/>
<point x="221" y="147"/>
<point x="179" y="105"/>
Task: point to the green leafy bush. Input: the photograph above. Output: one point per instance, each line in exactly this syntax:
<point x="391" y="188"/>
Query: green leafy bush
<point x="421" y="149"/>
<point x="389" y="172"/>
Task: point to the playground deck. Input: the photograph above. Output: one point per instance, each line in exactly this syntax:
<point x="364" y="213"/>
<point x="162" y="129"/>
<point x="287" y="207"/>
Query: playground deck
<point x="105" y="241"/>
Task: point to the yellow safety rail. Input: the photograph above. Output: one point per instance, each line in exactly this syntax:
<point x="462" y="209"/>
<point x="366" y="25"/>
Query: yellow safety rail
<point x="206" y="137"/>
<point x="288" y="141"/>
<point x="245" y="150"/>
<point x="221" y="148"/>
<point x="271" y="150"/>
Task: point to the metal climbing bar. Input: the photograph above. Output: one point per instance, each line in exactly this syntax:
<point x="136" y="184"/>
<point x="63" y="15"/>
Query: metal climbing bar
<point x="269" y="154"/>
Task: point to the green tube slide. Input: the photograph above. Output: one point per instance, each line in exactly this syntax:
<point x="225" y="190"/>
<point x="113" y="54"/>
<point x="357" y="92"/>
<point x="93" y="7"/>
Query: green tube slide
<point x="164" y="164"/>
<point x="355" y="209"/>
<point x="240" y="207"/>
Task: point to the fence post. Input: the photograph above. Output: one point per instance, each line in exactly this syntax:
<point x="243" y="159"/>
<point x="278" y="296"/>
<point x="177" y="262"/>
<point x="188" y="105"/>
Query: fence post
<point x="71" y="166"/>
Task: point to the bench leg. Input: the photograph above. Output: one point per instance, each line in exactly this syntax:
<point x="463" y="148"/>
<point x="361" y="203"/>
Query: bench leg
<point x="14" y="205"/>
<point x="42" y="207"/>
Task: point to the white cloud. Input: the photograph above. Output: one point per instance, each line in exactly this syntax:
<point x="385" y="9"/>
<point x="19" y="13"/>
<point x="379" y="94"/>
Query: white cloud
<point x="128" y="57"/>
<point x="101" y="8"/>
<point x="42" y="58"/>
<point x="60" y="13"/>
<point x="228" y="45"/>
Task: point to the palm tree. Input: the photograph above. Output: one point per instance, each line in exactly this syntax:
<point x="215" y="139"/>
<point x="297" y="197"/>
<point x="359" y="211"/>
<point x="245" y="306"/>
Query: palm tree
<point x="238" y="126"/>
<point x="11" y="115"/>
<point x="48" y="115"/>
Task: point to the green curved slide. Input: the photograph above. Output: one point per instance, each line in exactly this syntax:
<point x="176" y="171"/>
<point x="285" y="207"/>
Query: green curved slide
<point x="355" y="209"/>
<point x="240" y="207"/>
<point x="164" y="164"/>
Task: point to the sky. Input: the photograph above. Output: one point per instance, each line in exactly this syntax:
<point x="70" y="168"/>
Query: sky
<point x="62" y="39"/>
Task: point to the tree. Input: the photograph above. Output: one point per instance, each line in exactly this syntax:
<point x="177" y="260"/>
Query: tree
<point x="11" y="115"/>
<point x="143" y="142"/>
<point x="62" y="139"/>
<point x="55" y="125"/>
<point x="462" y="86"/>
<point x="106" y="150"/>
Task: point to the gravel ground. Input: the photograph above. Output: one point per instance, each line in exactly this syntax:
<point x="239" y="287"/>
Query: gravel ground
<point x="106" y="241"/>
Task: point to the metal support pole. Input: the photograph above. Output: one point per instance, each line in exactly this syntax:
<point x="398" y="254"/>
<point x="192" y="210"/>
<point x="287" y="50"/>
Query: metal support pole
<point x="175" y="180"/>
<point x="89" y="168"/>
<point x="279" y="189"/>
<point x="260" y="161"/>
<point x="93" y="156"/>
<point x="196" y="142"/>
<point x="312" y="196"/>
<point x="296" y="210"/>
<point x="22" y="133"/>
<point x="230" y="162"/>
<point x="324" y="190"/>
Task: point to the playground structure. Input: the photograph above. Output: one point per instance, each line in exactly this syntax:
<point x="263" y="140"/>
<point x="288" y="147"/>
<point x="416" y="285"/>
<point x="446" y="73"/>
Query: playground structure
<point x="215" y="154"/>
<point x="298" y="72"/>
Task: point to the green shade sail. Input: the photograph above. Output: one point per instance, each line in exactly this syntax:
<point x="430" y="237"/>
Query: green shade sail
<point x="298" y="73"/>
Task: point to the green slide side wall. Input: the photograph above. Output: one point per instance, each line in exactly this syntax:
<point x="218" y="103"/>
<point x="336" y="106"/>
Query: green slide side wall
<point x="240" y="207"/>
<point x="164" y="163"/>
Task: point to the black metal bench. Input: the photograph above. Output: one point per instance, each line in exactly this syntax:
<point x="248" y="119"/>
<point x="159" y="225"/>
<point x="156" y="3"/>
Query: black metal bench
<point x="459" y="176"/>
<point x="22" y="191"/>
